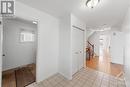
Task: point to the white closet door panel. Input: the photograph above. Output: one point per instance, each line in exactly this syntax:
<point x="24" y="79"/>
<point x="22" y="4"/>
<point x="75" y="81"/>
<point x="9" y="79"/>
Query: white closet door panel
<point x="81" y="48"/>
<point x="77" y="50"/>
<point x="74" y="51"/>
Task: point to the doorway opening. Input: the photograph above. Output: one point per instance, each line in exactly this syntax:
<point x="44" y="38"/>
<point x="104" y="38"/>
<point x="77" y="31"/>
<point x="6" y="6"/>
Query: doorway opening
<point x="19" y="52"/>
<point x="101" y="44"/>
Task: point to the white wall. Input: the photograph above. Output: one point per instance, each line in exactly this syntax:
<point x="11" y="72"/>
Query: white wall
<point x="65" y="59"/>
<point x="48" y="39"/>
<point x="16" y="53"/>
<point x="117" y="47"/>
<point x="89" y="33"/>
<point x="126" y="30"/>
<point x="65" y="47"/>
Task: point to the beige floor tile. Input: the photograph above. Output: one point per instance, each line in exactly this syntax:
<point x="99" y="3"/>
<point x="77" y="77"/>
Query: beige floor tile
<point x="84" y="78"/>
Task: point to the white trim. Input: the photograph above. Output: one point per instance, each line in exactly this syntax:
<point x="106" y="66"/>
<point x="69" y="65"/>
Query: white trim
<point x="1" y="47"/>
<point x="125" y="82"/>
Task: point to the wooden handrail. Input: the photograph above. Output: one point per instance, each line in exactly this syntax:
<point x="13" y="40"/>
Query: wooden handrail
<point x="90" y="44"/>
<point x="92" y="49"/>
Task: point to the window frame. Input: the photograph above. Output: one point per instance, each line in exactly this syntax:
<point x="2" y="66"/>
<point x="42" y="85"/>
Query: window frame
<point x="26" y="31"/>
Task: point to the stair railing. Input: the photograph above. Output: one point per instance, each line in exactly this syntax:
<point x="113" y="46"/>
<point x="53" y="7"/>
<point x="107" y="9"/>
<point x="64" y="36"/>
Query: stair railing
<point x="92" y="48"/>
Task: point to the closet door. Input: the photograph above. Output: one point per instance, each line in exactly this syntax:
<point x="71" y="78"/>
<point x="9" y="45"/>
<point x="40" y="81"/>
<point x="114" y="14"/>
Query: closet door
<point x="80" y="49"/>
<point x="77" y="49"/>
<point x="117" y="47"/>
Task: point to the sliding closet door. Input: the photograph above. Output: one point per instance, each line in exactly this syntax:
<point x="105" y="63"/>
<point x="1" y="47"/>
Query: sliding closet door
<point x="81" y="49"/>
<point x="77" y="49"/>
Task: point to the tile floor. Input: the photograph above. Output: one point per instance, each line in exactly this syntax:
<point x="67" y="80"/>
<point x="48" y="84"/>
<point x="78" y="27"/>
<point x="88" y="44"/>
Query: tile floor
<point x="84" y="78"/>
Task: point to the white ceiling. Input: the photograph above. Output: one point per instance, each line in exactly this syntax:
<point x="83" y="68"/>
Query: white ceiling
<point x="109" y="12"/>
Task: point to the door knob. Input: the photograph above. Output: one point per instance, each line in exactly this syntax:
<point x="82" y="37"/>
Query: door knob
<point x="3" y="55"/>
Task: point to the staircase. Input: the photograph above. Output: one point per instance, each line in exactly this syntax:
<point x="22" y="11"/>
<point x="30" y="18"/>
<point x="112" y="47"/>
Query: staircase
<point x="90" y="50"/>
<point x="89" y="33"/>
<point x="90" y="47"/>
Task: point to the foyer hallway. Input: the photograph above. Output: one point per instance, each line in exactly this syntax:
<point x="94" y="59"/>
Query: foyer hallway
<point x="84" y="78"/>
<point x="103" y="63"/>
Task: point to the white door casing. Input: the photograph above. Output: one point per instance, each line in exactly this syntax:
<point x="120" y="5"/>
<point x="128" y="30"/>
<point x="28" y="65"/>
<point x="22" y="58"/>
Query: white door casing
<point x="77" y="49"/>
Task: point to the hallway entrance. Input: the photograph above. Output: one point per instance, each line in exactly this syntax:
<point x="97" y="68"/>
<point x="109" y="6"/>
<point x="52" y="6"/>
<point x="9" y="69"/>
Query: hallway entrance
<point x="102" y="60"/>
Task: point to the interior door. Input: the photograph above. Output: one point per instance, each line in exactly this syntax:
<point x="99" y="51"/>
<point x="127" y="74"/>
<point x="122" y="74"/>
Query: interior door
<point x="81" y="49"/>
<point x="77" y="49"/>
<point x="117" y="47"/>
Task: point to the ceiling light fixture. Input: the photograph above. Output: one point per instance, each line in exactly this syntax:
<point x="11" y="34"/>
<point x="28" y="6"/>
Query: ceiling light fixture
<point x="34" y="22"/>
<point x="92" y="3"/>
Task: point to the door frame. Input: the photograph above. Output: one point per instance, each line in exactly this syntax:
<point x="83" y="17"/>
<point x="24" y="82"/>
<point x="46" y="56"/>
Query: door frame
<point x="84" y="46"/>
<point x="1" y="41"/>
<point x="1" y="48"/>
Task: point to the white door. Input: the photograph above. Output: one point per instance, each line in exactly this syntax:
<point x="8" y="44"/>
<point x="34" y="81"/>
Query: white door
<point x="77" y="49"/>
<point x="81" y="49"/>
<point x="117" y="47"/>
<point x="1" y="35"/>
